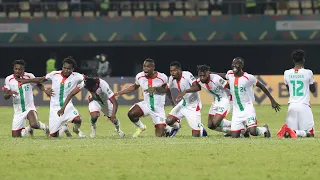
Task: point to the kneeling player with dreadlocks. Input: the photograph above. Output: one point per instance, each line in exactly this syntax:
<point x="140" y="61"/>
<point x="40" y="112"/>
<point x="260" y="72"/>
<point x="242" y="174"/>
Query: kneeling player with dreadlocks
<point x="101" y="99"/>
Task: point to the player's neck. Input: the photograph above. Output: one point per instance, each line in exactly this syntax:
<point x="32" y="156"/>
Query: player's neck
<point x="298" y="66"/>
<point x="153" y="75"/>
<point x="238" y="74"/>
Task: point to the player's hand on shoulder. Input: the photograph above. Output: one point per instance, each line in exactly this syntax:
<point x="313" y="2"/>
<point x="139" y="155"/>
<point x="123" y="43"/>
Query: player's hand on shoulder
<point x="60" y="112"/>
<point x="22" y="81"/>
<point x="275" y="106"/>
<point x="116" y="94"/>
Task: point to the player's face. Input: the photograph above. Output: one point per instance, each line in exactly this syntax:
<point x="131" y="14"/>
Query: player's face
<point x="67" y="69"/>
<point x="236" y="65"/>
<point x="175" y="72"/>
<point x="148" y="68"/>
<point x="204" y="76"/>
<point x="18" y="70"/>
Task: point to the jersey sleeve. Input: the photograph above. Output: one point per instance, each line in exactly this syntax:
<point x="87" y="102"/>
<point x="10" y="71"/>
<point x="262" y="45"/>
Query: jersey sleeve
<point x="228" y="74"/>
<point x="137" y="80"/>
<point x="252" y="80"/>
<point x="311" y="81"/>
<point x="223" y="83"/>
<point x="49" y="76"/>
<point x="285" y="78"/>
<point x="81" y="85"/>
<point x="191" y="78"/>
<point x="106" y="89"/>
<point x="6" y="84"/>
<point x="170" y="82"/>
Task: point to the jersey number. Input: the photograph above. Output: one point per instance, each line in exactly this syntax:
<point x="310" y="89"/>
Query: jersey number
<point x="26" y="88"/>
<point x="297" y="87"/>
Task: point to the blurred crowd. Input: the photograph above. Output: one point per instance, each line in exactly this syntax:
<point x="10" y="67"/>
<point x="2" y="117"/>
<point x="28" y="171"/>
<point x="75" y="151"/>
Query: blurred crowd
<point x="155" y="7"/>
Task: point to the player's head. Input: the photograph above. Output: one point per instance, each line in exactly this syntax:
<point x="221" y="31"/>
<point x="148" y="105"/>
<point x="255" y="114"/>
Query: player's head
<point x="298" y="57"/>
<point x="91" y="83"/>
<point x="18" y="68"/>
<point x="148" y="67"/>
<point x="204" y="73"/>
<point x="175" y="70"/>
<point x="237" y="65"/>
<point x="68" y="65"/>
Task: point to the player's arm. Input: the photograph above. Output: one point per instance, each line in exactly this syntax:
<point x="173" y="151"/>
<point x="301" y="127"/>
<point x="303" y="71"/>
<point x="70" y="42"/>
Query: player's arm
<point x="49" y="92"/>
<point x="129" y="89"/>
<point x="36" y="80"/>
<point x="169" y="95"/>
<point x="68" y="99"/>
<point x="274" y="104"/>
<point x="194" y="88"/>
<point x="114" y="109"/>
<point x="8" y="93"/>
<point x="312" y="88"/>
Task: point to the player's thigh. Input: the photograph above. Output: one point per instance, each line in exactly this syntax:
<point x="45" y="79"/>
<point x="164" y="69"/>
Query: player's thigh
<point x="222" y="107"/>
<point x="94" y="107"/>
<point x="292" y="118"/>
<point x="158" y="117"/>
<point x="139" y="109"/>
<point x="55" y="122"/>
<point x="176" y="112"/>
<point x="237" y="122"/>
<point x="306" y="122"/>
<point x="193" y="118"/>
<point x="251" y="117"/>
<point x="19" y="121"/>
<point x="32" y="117"/>
<point x="71" y="113"/>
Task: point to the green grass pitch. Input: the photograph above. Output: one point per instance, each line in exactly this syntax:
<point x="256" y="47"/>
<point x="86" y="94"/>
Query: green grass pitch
<point x="110" y="157"/>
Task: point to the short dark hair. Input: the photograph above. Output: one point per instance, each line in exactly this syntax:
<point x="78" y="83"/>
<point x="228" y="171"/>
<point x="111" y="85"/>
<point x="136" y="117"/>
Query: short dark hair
<point x="176" y="63"/>
<point x="240" y="59"/>
<point x="19" y="61"/>
<point x="70" y="60"/>
<point x="298" y="56"/>
<point x="91" y="82"/>
<point x="203" y="68"/>
<point x="149" y="60"/>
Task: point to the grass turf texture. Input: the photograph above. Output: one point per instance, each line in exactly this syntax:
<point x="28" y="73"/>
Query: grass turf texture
<point x="148" y="157"/>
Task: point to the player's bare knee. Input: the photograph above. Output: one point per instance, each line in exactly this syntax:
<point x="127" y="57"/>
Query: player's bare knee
<point x="253" y="131"/>
<point x="235" y="134"/>
<point x="133" y="116"/>
<point x="77" y="121"/>
<point x="95" y="116"/>
<point x="212" y="126"/>
<point x="170" y="120"/>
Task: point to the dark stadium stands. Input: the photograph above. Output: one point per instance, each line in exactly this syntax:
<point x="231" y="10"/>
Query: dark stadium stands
<point x="138" y="8"/>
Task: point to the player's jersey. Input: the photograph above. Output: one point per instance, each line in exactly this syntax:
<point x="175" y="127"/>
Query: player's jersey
<point x="241" y="89"/>
<point x="154" y="100"/>
<point x="24" y="99"/>
<point x="298" y="81"/>
<point x="103" y="92"/>
<point x="62" y="86"/>
<point x="216" y="87"/>
<point x="185" y="83"/>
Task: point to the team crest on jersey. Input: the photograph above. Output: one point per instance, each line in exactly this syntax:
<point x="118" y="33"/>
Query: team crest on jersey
<point x="69" y="84"/>
<point x="221" y="81"/>
<point x="192" y="78"/>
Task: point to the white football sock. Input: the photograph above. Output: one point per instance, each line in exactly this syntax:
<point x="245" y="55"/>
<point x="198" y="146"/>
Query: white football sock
<point x="117" y="124"/>
<point x="225" y="123"/>
<point x="261" y="130"/>
<point x="42" y="125"/>
<point x="223" y="129"/>
<point x="62" y="130"/>
<point x="300" y="133"/>
<point x="139" y="124"/>
<point x="28" y="129"/>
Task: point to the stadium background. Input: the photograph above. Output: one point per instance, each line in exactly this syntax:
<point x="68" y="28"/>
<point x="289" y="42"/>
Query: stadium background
<point x="193" y="32"/>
